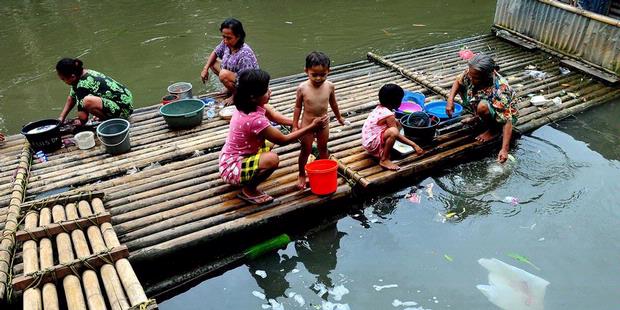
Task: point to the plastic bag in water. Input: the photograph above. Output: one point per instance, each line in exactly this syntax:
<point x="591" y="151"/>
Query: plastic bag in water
<point x="511" y="288"/>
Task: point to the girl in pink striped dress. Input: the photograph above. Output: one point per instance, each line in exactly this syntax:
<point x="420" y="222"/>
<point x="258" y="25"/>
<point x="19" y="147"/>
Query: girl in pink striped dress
<point x="381" y="129"/>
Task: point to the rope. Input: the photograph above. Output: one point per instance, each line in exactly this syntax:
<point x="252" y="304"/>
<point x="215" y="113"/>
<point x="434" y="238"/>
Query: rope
<point x="144" y="305"/>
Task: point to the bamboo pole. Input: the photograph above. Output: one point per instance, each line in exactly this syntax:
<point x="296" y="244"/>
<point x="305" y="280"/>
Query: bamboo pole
<point x="128" y="277"/>
<point x="32" y="296"/>
<point x="8" y="234"/>
<point x="49" y="292"/>
<point x="71" y="283"/>
<point x="244" y="223"/>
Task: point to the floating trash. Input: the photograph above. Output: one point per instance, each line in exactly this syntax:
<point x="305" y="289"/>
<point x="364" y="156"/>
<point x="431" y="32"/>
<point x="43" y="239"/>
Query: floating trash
<point x="512" y="288"/>
<point x="522" y="259"/>
<point x="511" y="200"/>
<point x="398" y="303"/>
<point x="261" y="273"/>
<point x="258" y="294"/>
<point x="381" y="287"/>
<point x="564" y="71"/>
<point x="429" y="189"/>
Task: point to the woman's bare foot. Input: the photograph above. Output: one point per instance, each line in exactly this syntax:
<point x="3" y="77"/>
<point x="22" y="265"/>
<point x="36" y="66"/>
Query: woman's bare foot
<point x="389" y="165"/>
<point x="302" y="180"/>
<point x="485" y="136"/>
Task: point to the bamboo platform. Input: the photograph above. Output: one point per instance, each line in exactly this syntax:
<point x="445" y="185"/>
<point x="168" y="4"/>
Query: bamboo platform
<point x="165" y="195"/>
<point x="62" y="257"/>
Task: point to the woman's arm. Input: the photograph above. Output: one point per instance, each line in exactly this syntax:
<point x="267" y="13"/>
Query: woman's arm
<point x="506" y="136"/>
<point x="455" y="89"/>
<point x="68" y="107"/>
<point x="204" y="75"/>
<point x="274" y="135"/>
<point x="277" y="117"/>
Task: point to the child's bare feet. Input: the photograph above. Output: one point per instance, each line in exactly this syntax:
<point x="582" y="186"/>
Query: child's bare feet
<point x="389" y="165"/>
<point x="302" y="180"/>
<point x="485" y="136"/>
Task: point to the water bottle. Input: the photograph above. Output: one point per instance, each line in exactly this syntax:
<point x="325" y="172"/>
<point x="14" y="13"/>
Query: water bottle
<point x="211" y="112"/>
<point x="269" y="245"/>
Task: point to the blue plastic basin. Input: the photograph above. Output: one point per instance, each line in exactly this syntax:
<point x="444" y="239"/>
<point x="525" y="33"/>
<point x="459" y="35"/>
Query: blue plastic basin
<point x="438" y="108"/>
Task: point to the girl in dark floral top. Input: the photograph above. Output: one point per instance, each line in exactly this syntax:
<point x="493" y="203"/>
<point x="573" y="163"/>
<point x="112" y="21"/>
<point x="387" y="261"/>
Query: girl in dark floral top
<point x="487" y="94"/>
<point x="230" y="57"/>
<point x="93" y="92"/>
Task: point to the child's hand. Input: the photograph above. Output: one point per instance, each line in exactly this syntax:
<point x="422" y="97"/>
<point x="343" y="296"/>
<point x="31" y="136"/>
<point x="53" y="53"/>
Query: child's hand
<point x="342" y="121"/>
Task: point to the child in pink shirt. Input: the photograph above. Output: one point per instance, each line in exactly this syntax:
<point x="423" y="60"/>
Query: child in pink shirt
<point x="381" y="129"/>
<point x="244" y="159"/>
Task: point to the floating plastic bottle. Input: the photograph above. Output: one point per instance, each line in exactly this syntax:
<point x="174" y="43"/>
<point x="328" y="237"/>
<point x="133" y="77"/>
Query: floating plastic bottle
<point x="266" y="246"/>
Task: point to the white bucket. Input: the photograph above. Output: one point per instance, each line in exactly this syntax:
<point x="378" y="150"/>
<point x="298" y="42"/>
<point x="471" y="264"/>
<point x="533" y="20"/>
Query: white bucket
<point x="85" y="140"/>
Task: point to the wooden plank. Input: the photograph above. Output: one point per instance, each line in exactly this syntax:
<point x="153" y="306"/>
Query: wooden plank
<point x="607" y="77"/>
<point x="54" y="229"/>
<point x="78" y="265"/>
<point x="505" y="35"/>
<point x="61" y="199"/>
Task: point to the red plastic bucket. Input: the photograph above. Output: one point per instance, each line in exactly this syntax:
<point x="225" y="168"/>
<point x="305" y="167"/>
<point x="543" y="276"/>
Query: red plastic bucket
<point x="323" y="176"/>
<point x="169" y="98"/>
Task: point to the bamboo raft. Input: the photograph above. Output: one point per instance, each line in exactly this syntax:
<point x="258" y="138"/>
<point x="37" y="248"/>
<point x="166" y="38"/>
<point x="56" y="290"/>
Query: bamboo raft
<point x="166" y="196"/>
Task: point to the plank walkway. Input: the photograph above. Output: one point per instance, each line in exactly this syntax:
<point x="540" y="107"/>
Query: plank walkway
<point x="165" y="195"/>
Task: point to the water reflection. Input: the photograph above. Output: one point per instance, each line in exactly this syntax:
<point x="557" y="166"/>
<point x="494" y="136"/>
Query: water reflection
<point x="317" y="252"/>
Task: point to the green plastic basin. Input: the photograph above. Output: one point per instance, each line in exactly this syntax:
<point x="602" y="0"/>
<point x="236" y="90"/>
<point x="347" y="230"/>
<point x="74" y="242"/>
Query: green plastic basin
<point x="185" y="113"/>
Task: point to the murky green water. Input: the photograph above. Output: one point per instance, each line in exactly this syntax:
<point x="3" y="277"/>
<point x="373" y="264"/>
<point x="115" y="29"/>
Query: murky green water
<point x="392" y="248"/>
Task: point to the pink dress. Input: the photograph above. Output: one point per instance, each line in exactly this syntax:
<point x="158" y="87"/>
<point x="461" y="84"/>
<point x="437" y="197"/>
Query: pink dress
<point x="243" y="140"/>
<point x="372" y="132"/>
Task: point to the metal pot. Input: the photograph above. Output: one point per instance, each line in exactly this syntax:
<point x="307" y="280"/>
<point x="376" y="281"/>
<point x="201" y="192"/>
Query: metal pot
<point x="181" y="89"/>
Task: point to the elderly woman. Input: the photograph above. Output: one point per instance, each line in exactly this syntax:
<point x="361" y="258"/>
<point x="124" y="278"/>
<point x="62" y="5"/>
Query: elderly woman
<point x="490" y="99"/>
<point x="230" y="57"/>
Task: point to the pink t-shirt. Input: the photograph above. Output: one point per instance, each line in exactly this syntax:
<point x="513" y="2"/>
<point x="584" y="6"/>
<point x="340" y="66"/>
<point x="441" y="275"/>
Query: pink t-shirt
<point x="372" y="132"/>
<point x="243" y="135"/>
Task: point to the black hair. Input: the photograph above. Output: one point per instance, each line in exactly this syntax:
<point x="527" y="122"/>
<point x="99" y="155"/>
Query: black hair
<point x="390" y="96"/>
<point x="317" y="59"/>
<point x="251" y="84"/>
<point x="236" y="27"/>
<point x="70" y="66"/>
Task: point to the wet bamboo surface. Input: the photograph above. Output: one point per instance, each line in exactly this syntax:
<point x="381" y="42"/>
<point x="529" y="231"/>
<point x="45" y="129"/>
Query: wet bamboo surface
<point x="165" y="195"/>
<point x="110" y="284"/>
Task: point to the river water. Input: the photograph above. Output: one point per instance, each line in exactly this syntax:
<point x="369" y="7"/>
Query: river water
<point x="555" y="205"/>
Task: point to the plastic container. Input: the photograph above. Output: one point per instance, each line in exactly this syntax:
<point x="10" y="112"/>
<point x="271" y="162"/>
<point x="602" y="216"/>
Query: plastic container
<point x="185" y="113"/>
<point x="169" y="98"/>
<point x="414" y="96"/>
<point x="85" y="140"/>
<point x="323" y="176"/>
<point x="114" y="134"/>
<point x="420" y="126"/>
<point x="181" y="89"/>
<point x="438" y="108"/>
<point x="43" y="135"/>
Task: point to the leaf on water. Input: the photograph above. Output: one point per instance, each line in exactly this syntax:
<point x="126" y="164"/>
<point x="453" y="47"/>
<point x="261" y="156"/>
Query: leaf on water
<point x="511" y="158"/>
<point x="451" y="214"/>
<point x="448" y="258"/>
<point x="522" y="259"/>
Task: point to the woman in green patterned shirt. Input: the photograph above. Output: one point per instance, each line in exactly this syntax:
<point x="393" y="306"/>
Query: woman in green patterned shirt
<point x="93" y="92"/>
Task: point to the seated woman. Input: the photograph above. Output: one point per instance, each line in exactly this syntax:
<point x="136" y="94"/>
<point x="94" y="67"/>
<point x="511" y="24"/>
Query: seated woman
<point x="489" y="97"/>
<point x="245" y="159"/>
<point x="234" y="56"/>
<point x="93" y="92"/>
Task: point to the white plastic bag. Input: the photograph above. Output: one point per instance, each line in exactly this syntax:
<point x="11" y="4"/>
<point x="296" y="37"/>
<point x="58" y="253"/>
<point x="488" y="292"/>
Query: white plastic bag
<point x="511" y="288"/>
